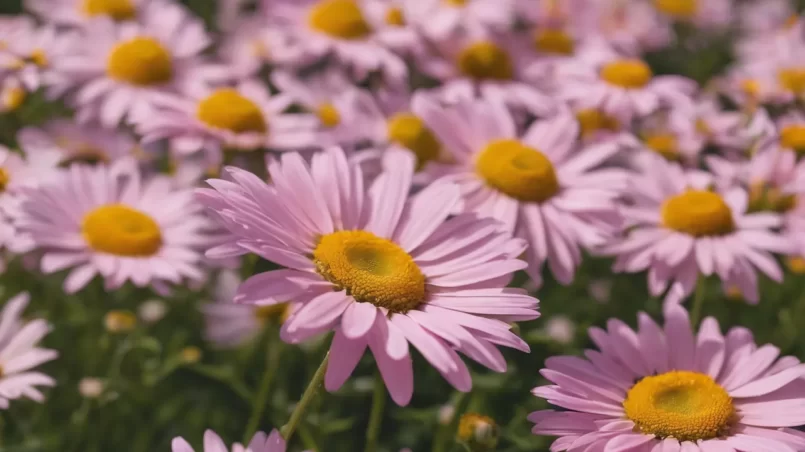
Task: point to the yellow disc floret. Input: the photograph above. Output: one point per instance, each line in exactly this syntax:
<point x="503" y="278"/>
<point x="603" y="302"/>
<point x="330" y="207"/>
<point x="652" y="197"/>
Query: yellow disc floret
<point x="678" y="9"/>
<point x="555" y="41"/>
<point x="411" y="132"/>
<point x="140" y="61"/>
<point x="328" y="115"/>
<point x="519" y="171"/>
<point x="792" y="79"/>
<point x="687" y="406"/>
<point x="627" y="73"/>
<point x="698" y="213"/>
<point x="664" y="144"/>
<point x="227" y="109"/>
<point x="485" y="60"/>
<point x="793" y="137"/>
<point x="371" y="269"/>
<point x="121" y="230"/>
<point x="116" y="9"/>
<point x="593" y="120"/>
<point x="4" y="179"/>
<point x="341" y="19"/>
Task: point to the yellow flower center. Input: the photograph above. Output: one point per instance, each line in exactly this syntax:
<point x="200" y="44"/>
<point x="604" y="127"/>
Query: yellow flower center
<point x="13" y="98"/>
<point x="551" y="40"/>
<point x="592" y="120"/>
<point x="4" y="179"/>
<point x="371" y="269"/>
<point x="395" y="17"/>
<point x="664" y="144"/>
<point x="122" y="231"/>
<point x="190" y="355"/>
<point x="340" y="19"/>
<point x="679" y="9"/>
<point x="39" y="58"/>
<point x="750" y="87"/>
<point x="272" y="312"/>
<point x="519" y="171"/>
<point x="764" y="197"/>
<point x="116" y="9"/>
<point x="627" y="73"/>
<point x="140" y="61"/>
<point x="687" y="406"/>
<point x="227" y="109"/>
<point x="792" y="79"/>
<point x="485" y="60"/>
<point x="796" y="265"/>
<point x="456" y="3"/>
<point x="87" y="154"/>
<point x="698" y="213"/>
<point x="793" y="137"/>
<point x="328" y="115"/>
<point x="412" y="133"/>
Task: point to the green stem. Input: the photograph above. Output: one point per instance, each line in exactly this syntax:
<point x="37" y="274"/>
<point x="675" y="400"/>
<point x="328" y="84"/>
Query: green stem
<point x="698" y="302"/>
<point x="272" y="364"/>
<point x="376" y="415"/>
<point x="307" y="397"/>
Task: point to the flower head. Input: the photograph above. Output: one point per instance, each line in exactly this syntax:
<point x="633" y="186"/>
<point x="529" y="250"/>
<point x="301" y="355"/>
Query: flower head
<point x="80" y="12"/>
<point x="666" y="388"/>
<point x="213" y="443"/>
<point x="380" y="268"/>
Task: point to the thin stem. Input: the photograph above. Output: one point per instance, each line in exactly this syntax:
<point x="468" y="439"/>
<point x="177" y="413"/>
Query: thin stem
<point x="698" y="302"/>
<point x="272" y="364"/>
<point x="376" y="415"/>
<point x="307" y="397"/>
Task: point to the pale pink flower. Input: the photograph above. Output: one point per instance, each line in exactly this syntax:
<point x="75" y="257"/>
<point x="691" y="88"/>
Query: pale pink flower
<point x="65" y="142"/>
<point x="440" y="19"/>
<point x="80" y="12"/>
<point x="213" y="443"/>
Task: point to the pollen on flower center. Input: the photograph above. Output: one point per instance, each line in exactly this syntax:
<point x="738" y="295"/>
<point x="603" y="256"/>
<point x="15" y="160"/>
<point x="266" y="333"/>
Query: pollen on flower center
<point x="627" y="73"/>
<point x="227" y="109"/>
<point x="792" y="79"/>
<point x="551" y="40"/>
<point x="664" y="144"/>
<point x="456" y="3"/>
<point x="687" y="406"/>
<point x="412" y="133"/>
<point x="4" y="179"/>
<point x="680" y="9"/>
<point x="140" y="61"/>
<point x="517" y="170"/>
<point x="485" y="60"/>
<point x="371" y="269"/>
<point x="395" y="16"/>
<point x="698" y="213"/>
<point x="328" y="115"/>
<point x="116" y="9"/>
<point x="793" y="137"/>
<point x="339" y="18"/>
<point x="593" y="120"/>
<point x="121" y="230"/>
<point x="39" y="58"/>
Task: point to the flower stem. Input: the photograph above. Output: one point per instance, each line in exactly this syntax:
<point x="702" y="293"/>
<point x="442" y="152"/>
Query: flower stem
<point x="698" y="302"/>
<point x="376" y="415"/>
<point x="272" y="364"/>
<point x="307" y="397"/>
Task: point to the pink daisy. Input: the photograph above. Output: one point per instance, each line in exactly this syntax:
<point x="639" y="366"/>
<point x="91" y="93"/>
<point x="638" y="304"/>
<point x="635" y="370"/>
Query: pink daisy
<point x="701" y="13"/>
<point x="19" y="354"/>
<point x="622" y="87"/>
<point x="344" y="29"/>
<point x="631" y="27"/>
<point x="29" y="51"/>
<point x="671" y="134"/>
<point x="244" y="117"/>
<point x="761" y="18"/>
<point x="117" y="71"/>
<point x="380" y="268"/>
<point x="80" y="12"/>
<point x="543" y="185"/>
<point x="777" y="70"/>
<point x="213" y="443"/>
<point x="439" y="19"/>
<point x="678" y="228"/>
<point x="667" y="389"/>
<point x="715" y="126"/>
<point x="66" y="142"/>
<point x="95" y="220"/>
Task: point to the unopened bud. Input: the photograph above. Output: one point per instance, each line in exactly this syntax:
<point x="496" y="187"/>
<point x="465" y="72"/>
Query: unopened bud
<point x="119" y="321"/>
<point x="191" y="355"/>
<point x="561" y="329"/>
<point x="446" y="413"/>
<point x="479" y="433"/>
<point x="90" y="387"/>
<point x="152" y="311"/>
<point x="795" y="265"/>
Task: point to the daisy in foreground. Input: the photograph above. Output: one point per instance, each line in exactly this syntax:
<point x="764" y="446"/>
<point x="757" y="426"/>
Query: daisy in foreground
<point x="544" y="186"/>
<point x="18" y="353"/>
<point x="678" y="227"/>
<point x="666" y="389"/>
<point x="100" y="220"/>
<point x="213" y="443"/>
<point x="379" y="268"/>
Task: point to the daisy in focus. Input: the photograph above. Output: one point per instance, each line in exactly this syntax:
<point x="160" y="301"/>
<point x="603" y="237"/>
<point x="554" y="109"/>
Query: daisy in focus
<point x="669" y="389"/>
<point x="542" y="184"/>
<point x="80" y="12"/>
<point x="213" y="443"/>
<point x="103" y="221"/>
<point x="19" y="353"/>
<point x="244" y="117"/>
<point x="678" y="228"/>
<point x="343" y="29"/>
<point x="379" y="268"/>
<point x="117" y="71"/>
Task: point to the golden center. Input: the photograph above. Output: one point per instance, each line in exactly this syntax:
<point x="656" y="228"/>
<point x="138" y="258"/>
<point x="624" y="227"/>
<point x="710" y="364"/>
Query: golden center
<point x="340" y="19"/>
<point x="792" y="79"/>
<point x="371" y="269"/>
<point x="627" y="73"/>
<point x="664" y="144"/>
<point x="140" y="61"/>
<point x="593" y="120"/>
<point x="328" y="115"/>
<point x="698" y="213"/>
<point x="116" y="9"/>
<point x="485" y="60"/>
<point x="227" y="109"/>
<point x="555" y="41"/>
<point x="517" y="170"/>
<point x="678" y="9"/>
<point x="793" y="137"/>
<point x="121" y="230"/>
<point x="411" y="132"/>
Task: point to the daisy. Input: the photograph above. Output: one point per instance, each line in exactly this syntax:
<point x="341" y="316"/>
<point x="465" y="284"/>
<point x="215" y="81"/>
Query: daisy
<point x="19" y="354"/>
<point x="668" y="389"/>
<point x="702" y="13"/>
<point x="543" y="185"/>
<point x="678" y="228"/>
<point x="622" y="87"/>
<point x="28" y="50"/>
<point x="672" y="135"/>
<point x="758" y="18"/>
<point x="440" y="19"/>
<point x="791" y="128"/>
<point x="80" y="12"/>
<point x="244" y="117"/>
<point x="491" y="66"/>
<point x="341" y="28"/>
<point x="94" y="221"/>
<point x="67" y="142"/>
<point x="715" y="126"/>
<point x="213" y="443"/>
<point x="119" y="70"/>
<point x="630" y="27"/>
<point x="779" y="70"/>
<point x="380" y="268"/>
